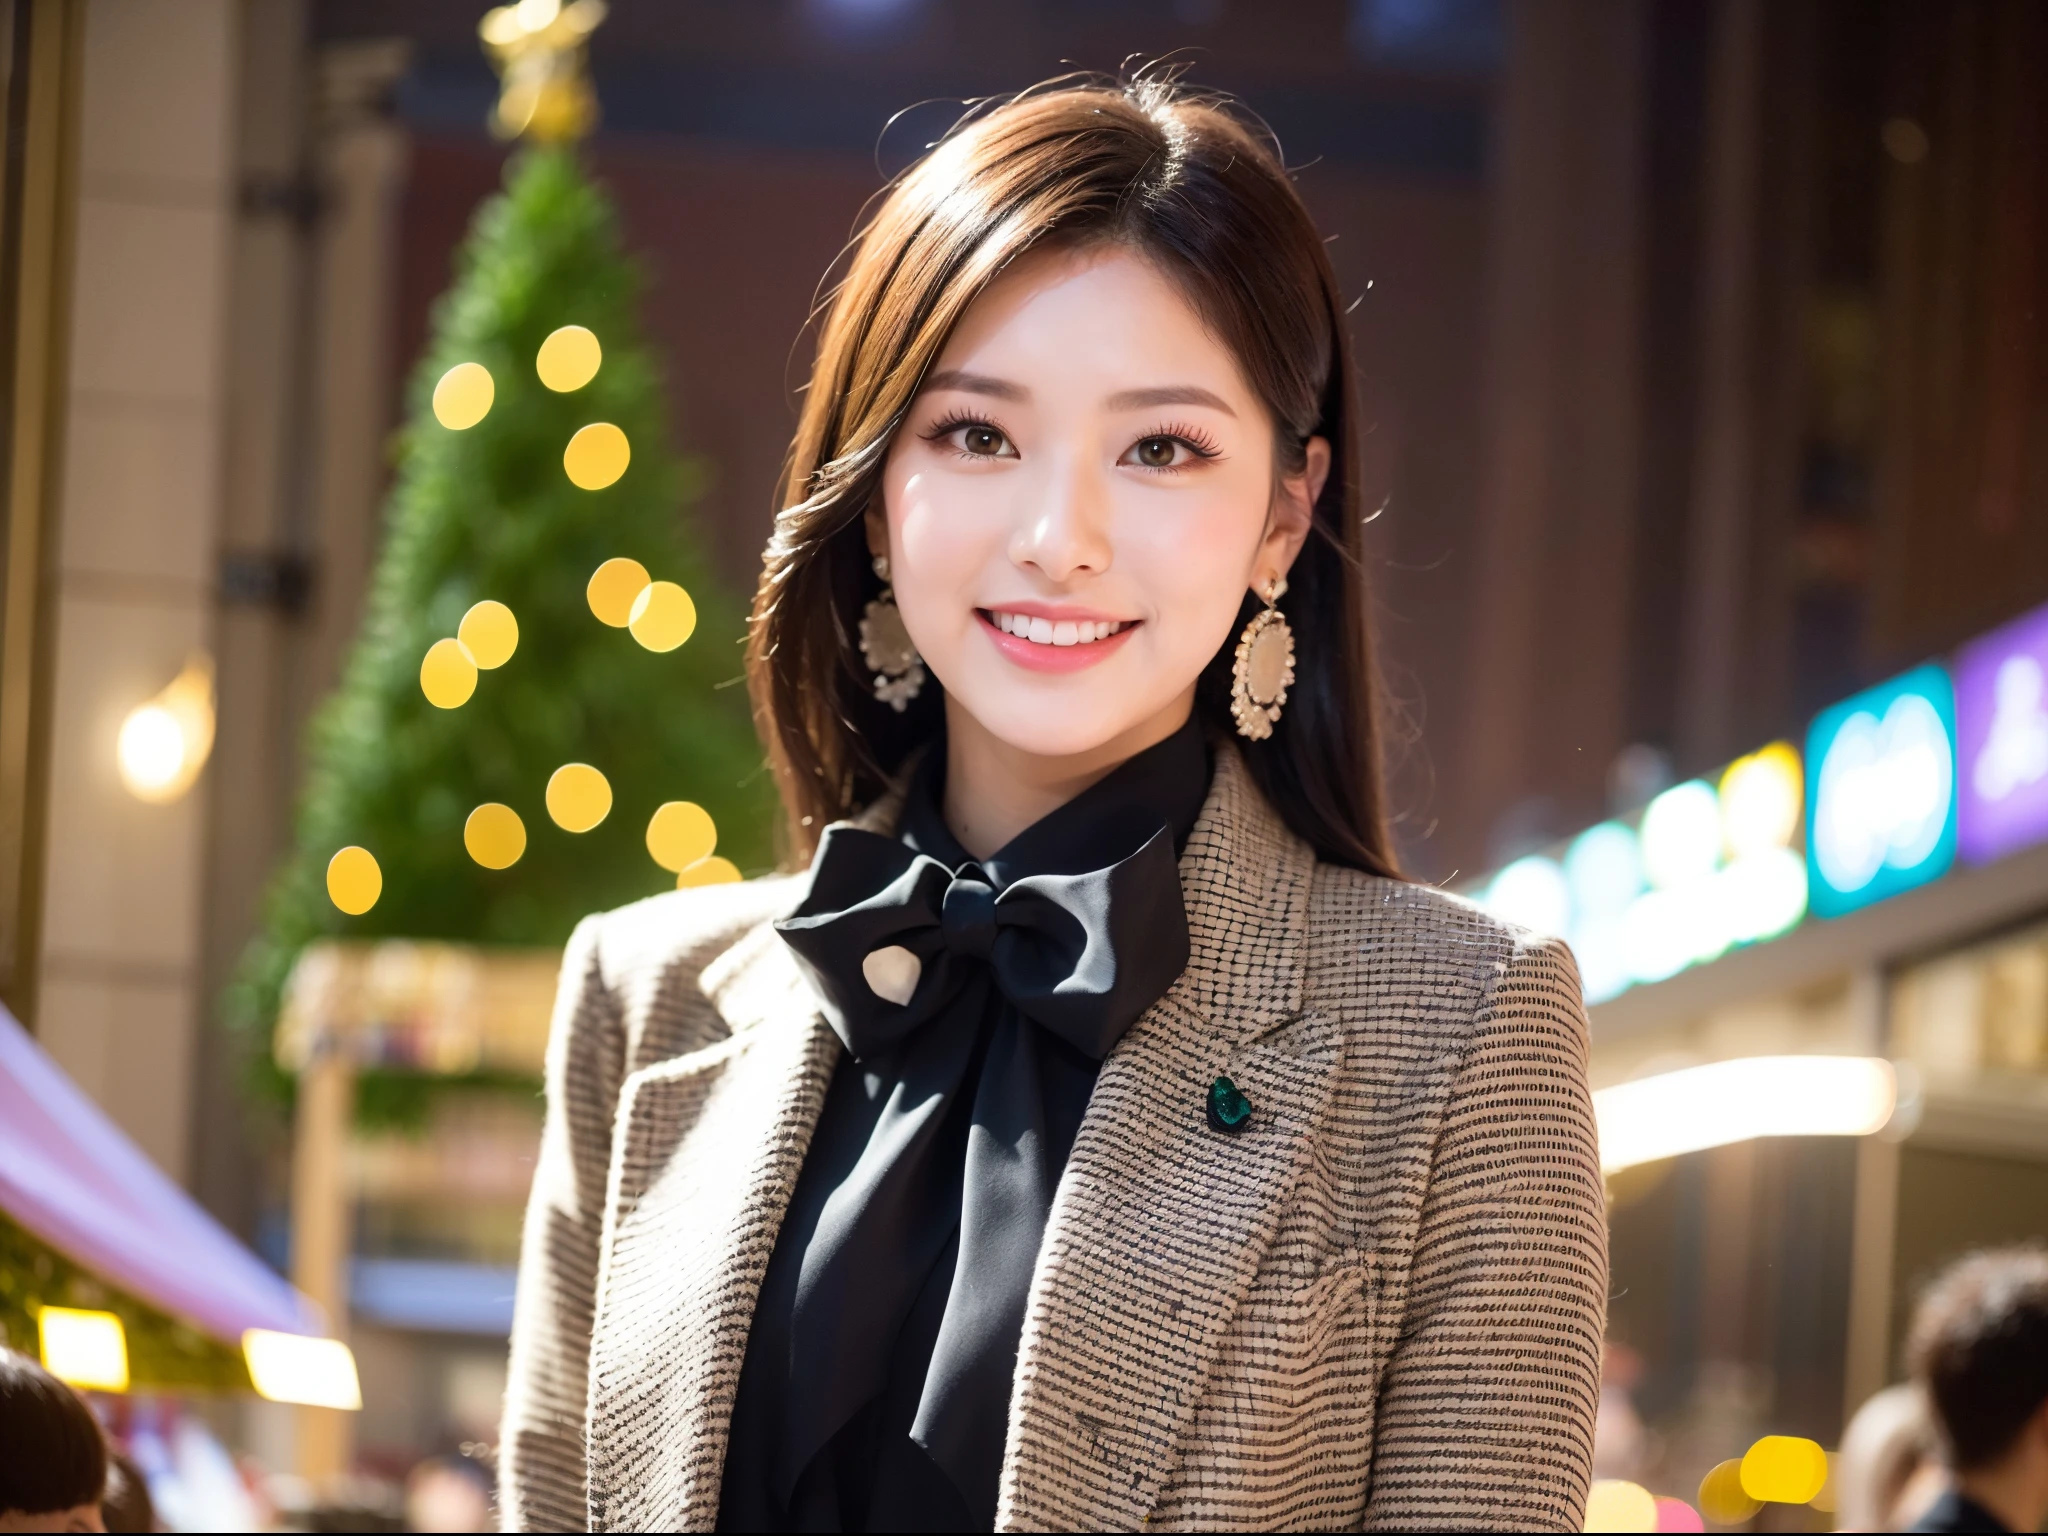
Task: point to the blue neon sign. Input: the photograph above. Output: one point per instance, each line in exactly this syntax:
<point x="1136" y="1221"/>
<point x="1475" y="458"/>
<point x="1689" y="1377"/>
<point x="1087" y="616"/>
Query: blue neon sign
<point x="1881" y="791"/>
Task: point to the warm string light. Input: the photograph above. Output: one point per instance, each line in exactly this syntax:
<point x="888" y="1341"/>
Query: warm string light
<point x="86" y="1348"/>
<point x="165" y="741"/>
<point x="293" y="1368"/>
<point x="579" y="797"/>
<point x="596" y="456"/>
<point x="354" y="880"/>
<point x="463" y="396"/>
<point x="613" y="589"/>
<point x="660" y="615"/>
<point x="568" y="359"/>
<point x="494" y="835"/>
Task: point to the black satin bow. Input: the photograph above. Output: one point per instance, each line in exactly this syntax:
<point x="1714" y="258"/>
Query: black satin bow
<point x="1049" y="941"/>
<point x="877" y="1383"/>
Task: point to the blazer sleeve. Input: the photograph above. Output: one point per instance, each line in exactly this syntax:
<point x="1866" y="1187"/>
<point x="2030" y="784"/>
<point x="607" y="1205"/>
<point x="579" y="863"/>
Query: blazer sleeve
<point x="542" y="1477"/>
<point x="1486" y="1407"/>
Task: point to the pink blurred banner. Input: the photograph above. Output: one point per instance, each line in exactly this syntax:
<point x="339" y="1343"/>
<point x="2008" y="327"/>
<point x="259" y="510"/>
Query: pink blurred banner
<point x="69" y="1176"/>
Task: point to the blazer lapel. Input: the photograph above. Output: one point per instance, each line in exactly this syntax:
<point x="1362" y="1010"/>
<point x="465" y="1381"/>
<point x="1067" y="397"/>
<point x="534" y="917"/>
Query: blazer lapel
<point x="1160" y="1223"/>
<point x="706" y="1152"/>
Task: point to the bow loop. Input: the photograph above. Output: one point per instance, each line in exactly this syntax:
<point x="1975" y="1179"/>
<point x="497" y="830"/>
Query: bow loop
<point x="1049" y="942"/>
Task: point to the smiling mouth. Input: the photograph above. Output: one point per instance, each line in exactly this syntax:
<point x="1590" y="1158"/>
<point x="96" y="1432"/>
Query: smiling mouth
<point x="1053" y="632"/>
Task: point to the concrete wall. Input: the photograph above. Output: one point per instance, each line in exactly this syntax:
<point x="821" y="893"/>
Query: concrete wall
<point x="137" y="543"/>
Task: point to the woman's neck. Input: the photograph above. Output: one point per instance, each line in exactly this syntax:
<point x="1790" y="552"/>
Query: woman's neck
<point x="994" y="790"/>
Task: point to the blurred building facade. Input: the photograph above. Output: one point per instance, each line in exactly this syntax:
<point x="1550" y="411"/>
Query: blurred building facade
<point x="1701" y="344"/>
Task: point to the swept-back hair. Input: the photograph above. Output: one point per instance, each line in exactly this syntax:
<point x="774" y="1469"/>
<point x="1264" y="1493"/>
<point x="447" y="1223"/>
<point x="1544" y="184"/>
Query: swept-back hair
<point x="1180" y="179"/>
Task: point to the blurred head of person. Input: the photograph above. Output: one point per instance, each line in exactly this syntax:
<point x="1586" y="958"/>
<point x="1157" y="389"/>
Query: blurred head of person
<point x="1888" y="1471"/>
<point x="126" y="1505"/>
<point x="1086" y="387"/>
<point x="448" y="1493"/>
<point x="1979" y="1350"/>
<point x="53" y="1458"/>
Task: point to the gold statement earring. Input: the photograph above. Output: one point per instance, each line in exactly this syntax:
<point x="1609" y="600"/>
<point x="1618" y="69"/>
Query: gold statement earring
<point x="899" y="670"/>
<point x="1264" y="669"/>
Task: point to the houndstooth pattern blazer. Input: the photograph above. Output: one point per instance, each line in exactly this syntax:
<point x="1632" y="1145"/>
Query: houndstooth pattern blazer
<point x="1380" y="1306"/>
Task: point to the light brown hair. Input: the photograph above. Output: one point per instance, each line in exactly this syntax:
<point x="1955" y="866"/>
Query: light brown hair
<point x="1181" y="179"/>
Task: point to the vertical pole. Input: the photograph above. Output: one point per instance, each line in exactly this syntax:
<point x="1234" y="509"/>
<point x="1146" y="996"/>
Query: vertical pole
<point x="1867" y="1359"/>
<point x="320" y="1235"/>
<point x="1873" y="1233"/>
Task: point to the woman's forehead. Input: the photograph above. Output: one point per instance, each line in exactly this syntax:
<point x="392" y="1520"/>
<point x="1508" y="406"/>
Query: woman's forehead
<point x="1103" y="318"/>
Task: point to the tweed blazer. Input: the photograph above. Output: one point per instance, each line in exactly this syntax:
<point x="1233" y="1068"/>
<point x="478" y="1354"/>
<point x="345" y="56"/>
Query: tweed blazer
<point x="1379" y="1306"/>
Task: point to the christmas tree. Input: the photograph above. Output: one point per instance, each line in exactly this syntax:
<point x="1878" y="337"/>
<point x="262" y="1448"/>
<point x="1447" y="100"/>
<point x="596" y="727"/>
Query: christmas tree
<point x="542" y="491"/>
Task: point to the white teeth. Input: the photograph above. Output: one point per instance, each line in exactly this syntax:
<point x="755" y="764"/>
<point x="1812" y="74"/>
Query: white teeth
<point x="1047" y="632"/>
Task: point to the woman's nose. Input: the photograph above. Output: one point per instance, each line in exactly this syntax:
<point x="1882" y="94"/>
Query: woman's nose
<point x="1063" y="525"/>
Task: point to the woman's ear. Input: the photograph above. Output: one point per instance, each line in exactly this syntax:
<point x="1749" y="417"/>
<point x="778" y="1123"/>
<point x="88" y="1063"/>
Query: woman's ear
<point x="1294" y="513"/>
<point x="875" y="521"/>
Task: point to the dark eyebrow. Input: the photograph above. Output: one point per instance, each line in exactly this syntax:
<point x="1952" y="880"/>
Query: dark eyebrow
<point x="1172" y="394"/>
<point x="976" y="384"/>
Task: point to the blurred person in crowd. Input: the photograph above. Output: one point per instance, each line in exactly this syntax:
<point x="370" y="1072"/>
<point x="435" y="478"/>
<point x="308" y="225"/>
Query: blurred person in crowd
<point x="1119" y="918"/>
<point x="1621" y="1443"/>
<point x="1889" y="1470"/>
<point x="53" y="1458"/>
<point x="126" y="1505"/>
<point x="447" y="1493"/>
<point x="1978" y="1349"/>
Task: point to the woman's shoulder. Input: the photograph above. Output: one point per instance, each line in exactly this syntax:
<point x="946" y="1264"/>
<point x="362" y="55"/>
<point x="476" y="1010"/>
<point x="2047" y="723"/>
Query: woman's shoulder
<point x="641" y="951"/>
<point x="1386" y="938"/>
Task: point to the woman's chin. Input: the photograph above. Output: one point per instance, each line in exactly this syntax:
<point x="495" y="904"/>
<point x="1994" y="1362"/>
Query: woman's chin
<point x="1079" y="717"/>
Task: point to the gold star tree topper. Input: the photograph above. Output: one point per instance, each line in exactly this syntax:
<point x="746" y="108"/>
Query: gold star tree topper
<point x="538" y="49"/>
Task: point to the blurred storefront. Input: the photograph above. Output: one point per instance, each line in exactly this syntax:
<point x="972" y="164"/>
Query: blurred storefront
<point x="1822" y="750"/>
<point x="1704" y="349"/>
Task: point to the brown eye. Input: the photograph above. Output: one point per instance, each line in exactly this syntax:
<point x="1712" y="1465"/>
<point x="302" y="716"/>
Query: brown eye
<point x="1156" y="452"/>
<point x="984" y="442"/>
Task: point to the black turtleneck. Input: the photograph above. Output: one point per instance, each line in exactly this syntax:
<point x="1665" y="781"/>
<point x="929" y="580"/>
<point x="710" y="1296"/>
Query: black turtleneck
<point x="875" y="1392"/>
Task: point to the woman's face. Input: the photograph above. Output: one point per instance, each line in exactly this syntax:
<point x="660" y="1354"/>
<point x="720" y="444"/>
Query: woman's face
<point x="1077" y="502"/>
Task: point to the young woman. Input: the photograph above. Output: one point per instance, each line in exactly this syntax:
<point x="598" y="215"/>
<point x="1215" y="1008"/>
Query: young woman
<point x="1100" y="1134"/>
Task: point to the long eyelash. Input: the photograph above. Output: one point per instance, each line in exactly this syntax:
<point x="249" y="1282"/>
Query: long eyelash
<point x="1200" y="443"/>
<point x="953" y="421"/>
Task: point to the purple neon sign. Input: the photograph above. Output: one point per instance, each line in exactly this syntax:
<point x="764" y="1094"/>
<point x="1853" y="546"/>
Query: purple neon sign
<point x="2002" y="740"/>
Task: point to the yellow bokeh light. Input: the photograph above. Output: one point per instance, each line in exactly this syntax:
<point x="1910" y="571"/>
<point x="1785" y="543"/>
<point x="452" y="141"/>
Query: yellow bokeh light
<point x="579" y="797"/>
<point x="613" y="588"/>
<point x="447" y="674"/>
<point x="354" y="882"/>
<point x="463" y="397"/>
<point x="1722" y="1499"/>
<point x="1612" y="1505"/>
<point x="87" y="1349"/>
<point x="489" y="633"/>
<point x="164" y="742"/>
<point x="679" y="834"/>
<point x="1760" y="800"/>
<point x="494" y="835"/>
<point x="292" y="1368"/>
<point x="596" y="456"/>
<point x="715" y="870"/>
<point x="663" y="616"/>
<point x="1784" y="1469"/>
<point x="568" y="359"/>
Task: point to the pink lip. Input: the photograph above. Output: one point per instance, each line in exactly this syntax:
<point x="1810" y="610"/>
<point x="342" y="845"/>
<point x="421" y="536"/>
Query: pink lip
<point x="1053" y="658"/>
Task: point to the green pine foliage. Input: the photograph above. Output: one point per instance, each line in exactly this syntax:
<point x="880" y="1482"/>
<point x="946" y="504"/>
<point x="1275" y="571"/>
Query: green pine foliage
<point x="489" y="513"/>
